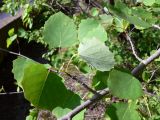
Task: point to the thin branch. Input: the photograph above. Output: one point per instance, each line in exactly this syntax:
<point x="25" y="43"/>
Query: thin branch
<point x="49" y="6"/>
<point x="14" y="53"/>
<point x="61" y="7"/>
<point x="76" y="79"/>
<point x="55" y="71"/>
<point x="82" y="83"/>
<point x="96" y="4"/>
<point x="11" y="93"/>
<point x="84" y="105"/>
<point x="102" y="93"/>
<point x="19" y="48"/>
<point x="133" y="48"/>
<point x="144" y="63"/>
<point x="156" y="26"/>
<point x="152" y="57"/>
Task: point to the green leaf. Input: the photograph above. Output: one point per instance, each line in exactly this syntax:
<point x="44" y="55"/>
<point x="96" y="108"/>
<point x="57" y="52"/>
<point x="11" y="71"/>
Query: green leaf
<point x="10" y="40"/>
<point x="124" y="85"/>
<point x="11" y="32"/>
<point x="84" y="67"/>
<point x="100" y="80"/>
<point x="121" y="24"/>
<point x="106" y="20"/>
<point x="59" y="112"/>
<point x="129" y="14"/>
<point x="65" y="1"/>
<point x="18" y="68"/>
<point x="149" y="2"/>
<point x="40" y="87"/>
<point x="157" y="2"/>
<point x="90" y="28"/>
<point x="94" y="11"/>
<point x="142" y="17"/>
<point x="123" y="111"/>
<point x="79" y="116"/>
<point x="146" y="76"/>
<point x="60" y="31"/>
<point x="19" y="65"/>
<point x="138" y="21"/>
<point x="142" y="13"/>
<point x="33" y="113"/>
<point x="22" y="33"/>
<point x="95" y="53"/>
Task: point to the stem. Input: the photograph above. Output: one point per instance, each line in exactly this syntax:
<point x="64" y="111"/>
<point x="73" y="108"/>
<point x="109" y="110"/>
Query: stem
<point x="144" y="63"/>
<point x="11" y="93"/>
<point x="150" y="115"/>
<point x="84" y="105"/>
<point x="73" y="77"/>
<point x="76" y="79"/>
<point x="13" y="53"/>
<point x="156" y="26"/>
<point x="82" y="83"/>
<point x="69" y="62"/>
<point x="133" y="48"/>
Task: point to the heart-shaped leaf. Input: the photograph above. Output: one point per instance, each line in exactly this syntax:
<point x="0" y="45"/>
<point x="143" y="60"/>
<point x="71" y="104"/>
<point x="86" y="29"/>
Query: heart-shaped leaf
<point x="124" y="85"/>
<point x="60" y="31"/>
<point x="41" y="86"/>
<point x="97" y="54"/>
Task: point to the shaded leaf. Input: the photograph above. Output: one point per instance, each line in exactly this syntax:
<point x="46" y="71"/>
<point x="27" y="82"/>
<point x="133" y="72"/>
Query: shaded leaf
<point x="123" y="111"/>
<point x="128" y="14"/>
<point x="100" y="80"/>
<point x="106" y="20"/>
<point x="41" y="86"/>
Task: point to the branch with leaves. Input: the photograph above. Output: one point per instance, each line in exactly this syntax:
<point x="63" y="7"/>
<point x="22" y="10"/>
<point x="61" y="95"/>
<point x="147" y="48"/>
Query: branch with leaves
<point x="135" y="72"/>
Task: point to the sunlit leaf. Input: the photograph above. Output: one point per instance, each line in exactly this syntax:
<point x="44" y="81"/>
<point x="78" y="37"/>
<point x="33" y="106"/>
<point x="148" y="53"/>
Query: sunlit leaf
<point x="19" y="65"/>
<point x="149" y="2"/>
<point x="90" y="28"/>
<point x="95" y="53"/>
<point x="60" y="31"/>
